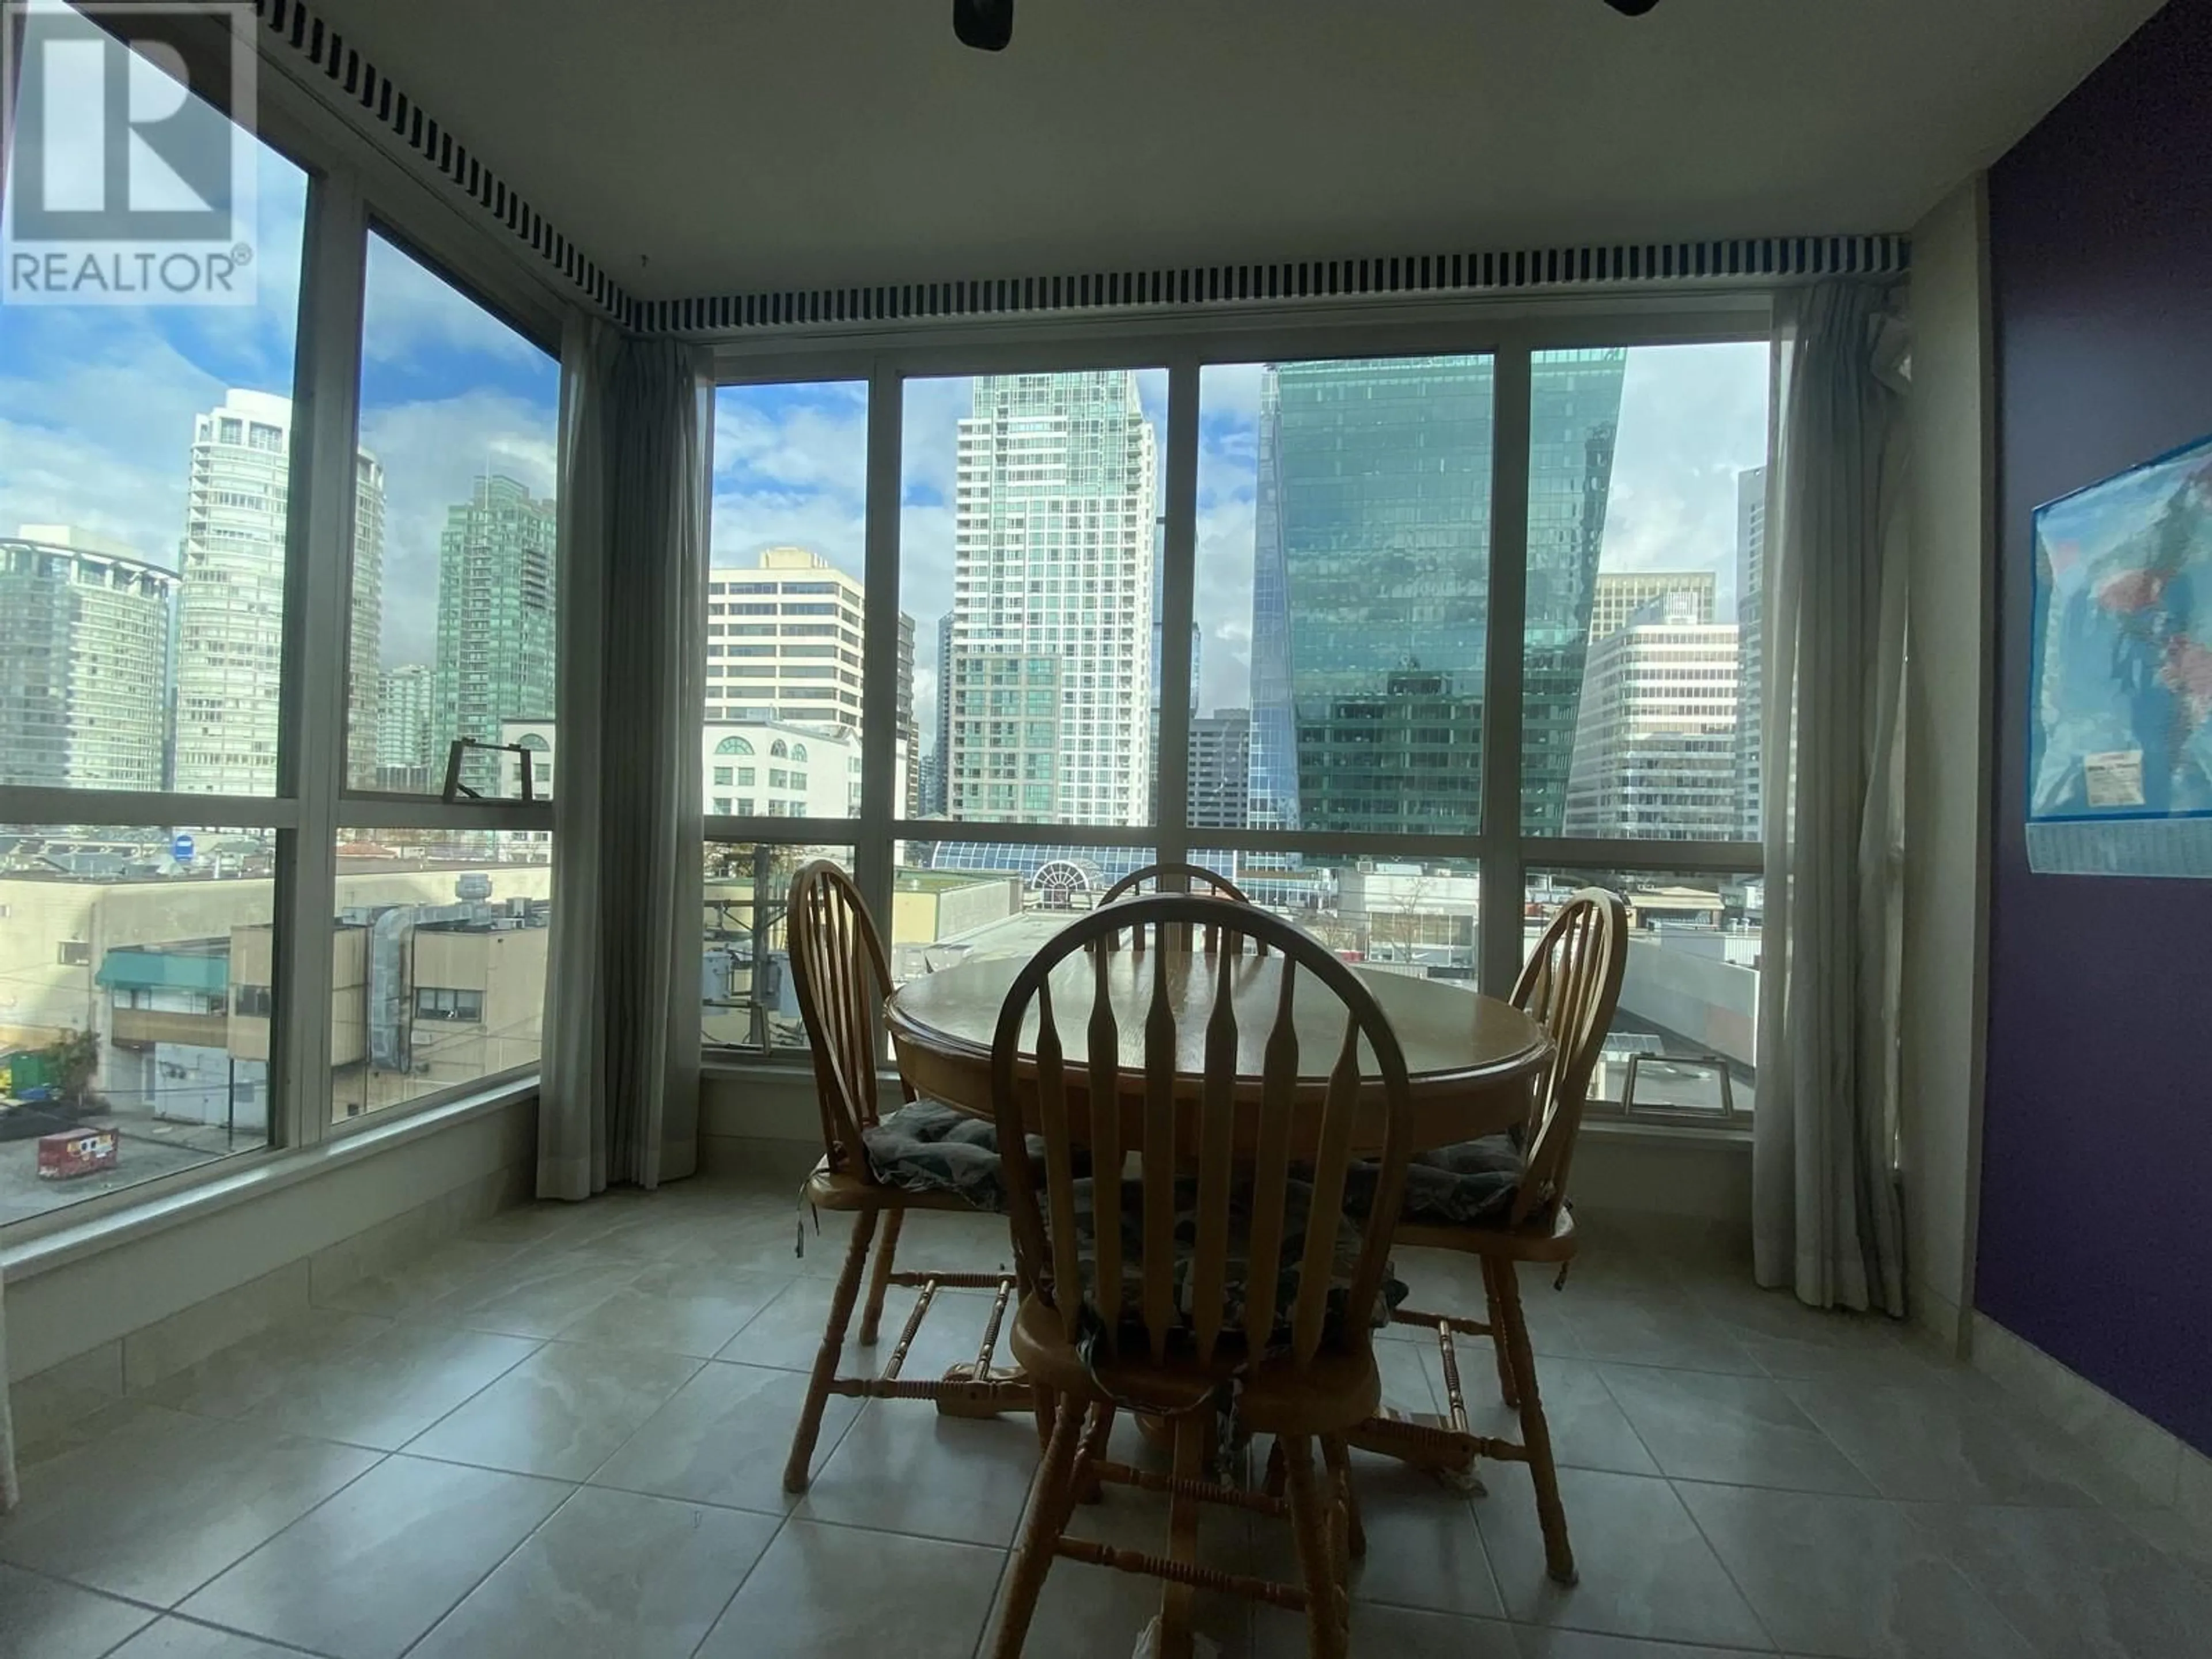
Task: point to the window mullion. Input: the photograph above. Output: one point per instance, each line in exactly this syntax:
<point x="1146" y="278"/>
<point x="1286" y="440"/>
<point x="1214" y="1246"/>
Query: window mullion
<point x="879" y="623"/>
<point x="1500" y="885"/>
<point x="1171" y="775"/>
<point x="318" y="578"/>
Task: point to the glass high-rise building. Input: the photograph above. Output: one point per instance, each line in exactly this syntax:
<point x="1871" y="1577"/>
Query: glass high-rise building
<point x="1751" y="633"/>
<point x="1371" y="586"/>
<point x="1049" y="669"/>
<point x="230" y="608"/>
<point x="407" y="755"/>
<point x="84" y="647"/>
<point x="496" y="617"/>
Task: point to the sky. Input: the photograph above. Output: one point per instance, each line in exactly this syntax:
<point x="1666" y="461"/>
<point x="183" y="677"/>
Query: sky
<point x="96" y="410"/>
<point x="790" y="468"/>
<point x="97" y="403"/>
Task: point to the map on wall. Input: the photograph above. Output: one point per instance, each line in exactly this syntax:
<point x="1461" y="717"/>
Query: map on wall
<point x="2120" y="756"/>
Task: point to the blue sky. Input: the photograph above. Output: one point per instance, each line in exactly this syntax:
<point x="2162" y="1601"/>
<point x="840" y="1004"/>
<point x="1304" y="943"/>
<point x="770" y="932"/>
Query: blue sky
<point x="97" y="403"/>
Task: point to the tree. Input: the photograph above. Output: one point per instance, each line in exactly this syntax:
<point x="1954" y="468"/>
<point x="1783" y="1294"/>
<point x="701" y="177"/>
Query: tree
<point x="73" y="1060"/>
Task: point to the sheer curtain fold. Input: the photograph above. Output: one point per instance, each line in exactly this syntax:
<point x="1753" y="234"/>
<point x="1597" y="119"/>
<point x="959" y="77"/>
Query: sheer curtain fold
<point x="1825" y="1213"/>
<point x="9" y="1491"/>
<point x="620" y="1090"/>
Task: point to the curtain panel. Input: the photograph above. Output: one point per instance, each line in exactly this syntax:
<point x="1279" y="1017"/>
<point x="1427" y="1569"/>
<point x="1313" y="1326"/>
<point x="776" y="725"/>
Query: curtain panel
<point x="620" y="1088"/>
<point x="1825" y="1213"/>
<point x="9" y="1493"/>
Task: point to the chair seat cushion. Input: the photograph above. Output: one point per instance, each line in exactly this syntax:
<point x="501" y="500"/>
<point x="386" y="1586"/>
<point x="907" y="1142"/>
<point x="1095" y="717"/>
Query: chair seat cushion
<point x="1471" y="1182"/>
<point x="926" y="1146"/>
<point x="1236" y="1272"/>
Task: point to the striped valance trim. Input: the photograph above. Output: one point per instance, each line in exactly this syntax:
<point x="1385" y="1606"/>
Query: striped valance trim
<point x="353" y="77"/>
<point x="1761" y="260"/>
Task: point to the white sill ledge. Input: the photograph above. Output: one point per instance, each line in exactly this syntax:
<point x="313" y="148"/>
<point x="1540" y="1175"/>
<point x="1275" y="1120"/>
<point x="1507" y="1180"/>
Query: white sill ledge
<point x="793" y="1074"/>
<point x="268" y="1173"/>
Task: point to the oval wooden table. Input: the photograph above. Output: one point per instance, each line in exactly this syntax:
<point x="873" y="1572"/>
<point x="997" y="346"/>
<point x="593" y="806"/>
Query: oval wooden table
<point x="1471" y="1059"/>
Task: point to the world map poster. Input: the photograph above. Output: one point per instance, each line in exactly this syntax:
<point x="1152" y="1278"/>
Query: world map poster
<point x="2120" y="755"/>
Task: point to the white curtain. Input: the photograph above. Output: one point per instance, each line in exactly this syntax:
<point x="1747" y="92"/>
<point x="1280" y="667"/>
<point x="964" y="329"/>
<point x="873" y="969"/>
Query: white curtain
<point x="620" y="1099"/>
<point x="9" y="1491"/>
<point x="1825" y="1202"/>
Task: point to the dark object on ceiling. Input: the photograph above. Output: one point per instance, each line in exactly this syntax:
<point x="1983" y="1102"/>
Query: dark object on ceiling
<point x="1631" y="8"/>
<point x="986" y="25"/>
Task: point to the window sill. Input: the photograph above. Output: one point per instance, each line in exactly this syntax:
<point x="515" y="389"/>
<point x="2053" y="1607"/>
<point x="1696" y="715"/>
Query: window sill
<point x="1630" y="1131"/>
<point x="268" y="1173"/>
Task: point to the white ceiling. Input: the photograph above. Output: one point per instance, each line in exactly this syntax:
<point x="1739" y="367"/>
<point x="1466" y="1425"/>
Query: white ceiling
<point x="709" y="146"/>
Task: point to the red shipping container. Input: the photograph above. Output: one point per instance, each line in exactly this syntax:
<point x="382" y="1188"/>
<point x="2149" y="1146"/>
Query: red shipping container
<point x="78" y="1152"/>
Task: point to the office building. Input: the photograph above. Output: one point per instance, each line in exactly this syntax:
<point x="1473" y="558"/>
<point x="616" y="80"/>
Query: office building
<point x="747" y="768"/>
<point x="1655" y="747"/>
<point x="1220" y="769"/>
<point x="1371" y="586"/>
<point x="406" y="712"/>
<point x="84" y="649"/>
<point x="909" y="732"/>
<point x="1751" y="646"/>
<point x="1620" y="594"/>
<point x="783" y="641"/>
<point x="496" y="617"/>
<point x="1052" y="623"/>
<point x="230" y="606"/>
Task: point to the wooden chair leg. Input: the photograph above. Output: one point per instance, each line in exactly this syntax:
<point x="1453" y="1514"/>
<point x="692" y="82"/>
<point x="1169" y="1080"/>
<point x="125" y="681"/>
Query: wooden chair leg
<point x="1192" y="1443"/>
<point x="1047" y="1411"/>
<point x="1338" y="1458"/>
<point x="1271" y="1484"/>
<point x="879" y="1282"/>
<point x="1507" y="1389"/>
<point x="1052" y="1496"/>
<point x="1535" y="1432"/>
<point x="1089" y="1489"/>
<point x="1328" y="1609"/>
<point x="799" y="1470"/>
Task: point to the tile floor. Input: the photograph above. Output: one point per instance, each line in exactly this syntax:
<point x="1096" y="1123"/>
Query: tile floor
<point x="564" y="1435"/>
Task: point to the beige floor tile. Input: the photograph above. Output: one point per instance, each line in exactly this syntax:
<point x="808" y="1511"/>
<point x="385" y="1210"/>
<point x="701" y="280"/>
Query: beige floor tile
<point x="365" y="1574"/>
<point x="1589" y="1429"/>
<point x="2077" y="1583"/>
<point x="1646" y="1570"/>
<point x="612" y="1573"/>
<point x="562" y="1413"/>
<point x="723" y="1438"/>
<point x="1658" y="1327"/>
<point x="175" y="1638"/>
<point x="1537" y="1642"/>
<point x="678" y="1308"/>
<point x="1701" y="1425"/>
<point x="414" y="1285"/>
<point x="539" y="1293"/>
<point x="1944" y="1443"/>
<point x="1388" y="1633"/>
<point x="827" y="1592"/>
<point x="45" y="1618"/>
<point x="231" y="1381"/>
<point x="902" y="1468"/>
<point x="161" y="1502"/>
<point x="1851" y="1577"/>
<point x="385" y="1391"/>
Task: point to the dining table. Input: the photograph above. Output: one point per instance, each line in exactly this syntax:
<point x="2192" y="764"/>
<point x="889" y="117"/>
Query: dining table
<point x="1472" y="1062"/>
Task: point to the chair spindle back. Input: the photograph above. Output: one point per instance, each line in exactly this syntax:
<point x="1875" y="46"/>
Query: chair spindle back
<point x="1193" y="878"/>
<point x="842" y="979"/>
<point x="1570" y="986"/>
<point x="1223" y="1163"/>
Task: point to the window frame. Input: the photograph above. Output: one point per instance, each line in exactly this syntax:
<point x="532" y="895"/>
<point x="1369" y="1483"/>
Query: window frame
<point x="353" y="183"/>
<point x="1511" y="333"/>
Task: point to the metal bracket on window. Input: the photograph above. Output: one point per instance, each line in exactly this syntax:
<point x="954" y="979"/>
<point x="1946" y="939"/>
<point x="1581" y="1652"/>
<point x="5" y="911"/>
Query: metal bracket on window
<point x="455" y="790"/>
<point x="1713" y="1063"/>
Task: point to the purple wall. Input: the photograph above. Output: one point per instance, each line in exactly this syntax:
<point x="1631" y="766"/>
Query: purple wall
<point x="2096" y="1221"/>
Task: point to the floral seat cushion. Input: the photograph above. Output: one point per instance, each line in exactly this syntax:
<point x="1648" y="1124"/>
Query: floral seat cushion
<point x="1237" y="1275"/>
<point x="926" y="1146"/>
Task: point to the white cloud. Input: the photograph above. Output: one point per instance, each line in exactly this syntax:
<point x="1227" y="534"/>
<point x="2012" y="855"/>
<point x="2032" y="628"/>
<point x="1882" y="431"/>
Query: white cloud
<point x="410" y="315"/>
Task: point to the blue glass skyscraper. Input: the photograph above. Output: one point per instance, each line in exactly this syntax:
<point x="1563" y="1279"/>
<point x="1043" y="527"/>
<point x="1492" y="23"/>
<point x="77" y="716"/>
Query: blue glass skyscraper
<point x="1371" y="586"/>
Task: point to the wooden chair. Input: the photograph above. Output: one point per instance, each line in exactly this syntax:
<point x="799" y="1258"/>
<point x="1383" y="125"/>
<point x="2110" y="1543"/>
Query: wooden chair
<point x="1194" y="878"/>
<point x="1174" y="1335"/>
<point x="843" y="979"/>
<point x="1571" y="986"/>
